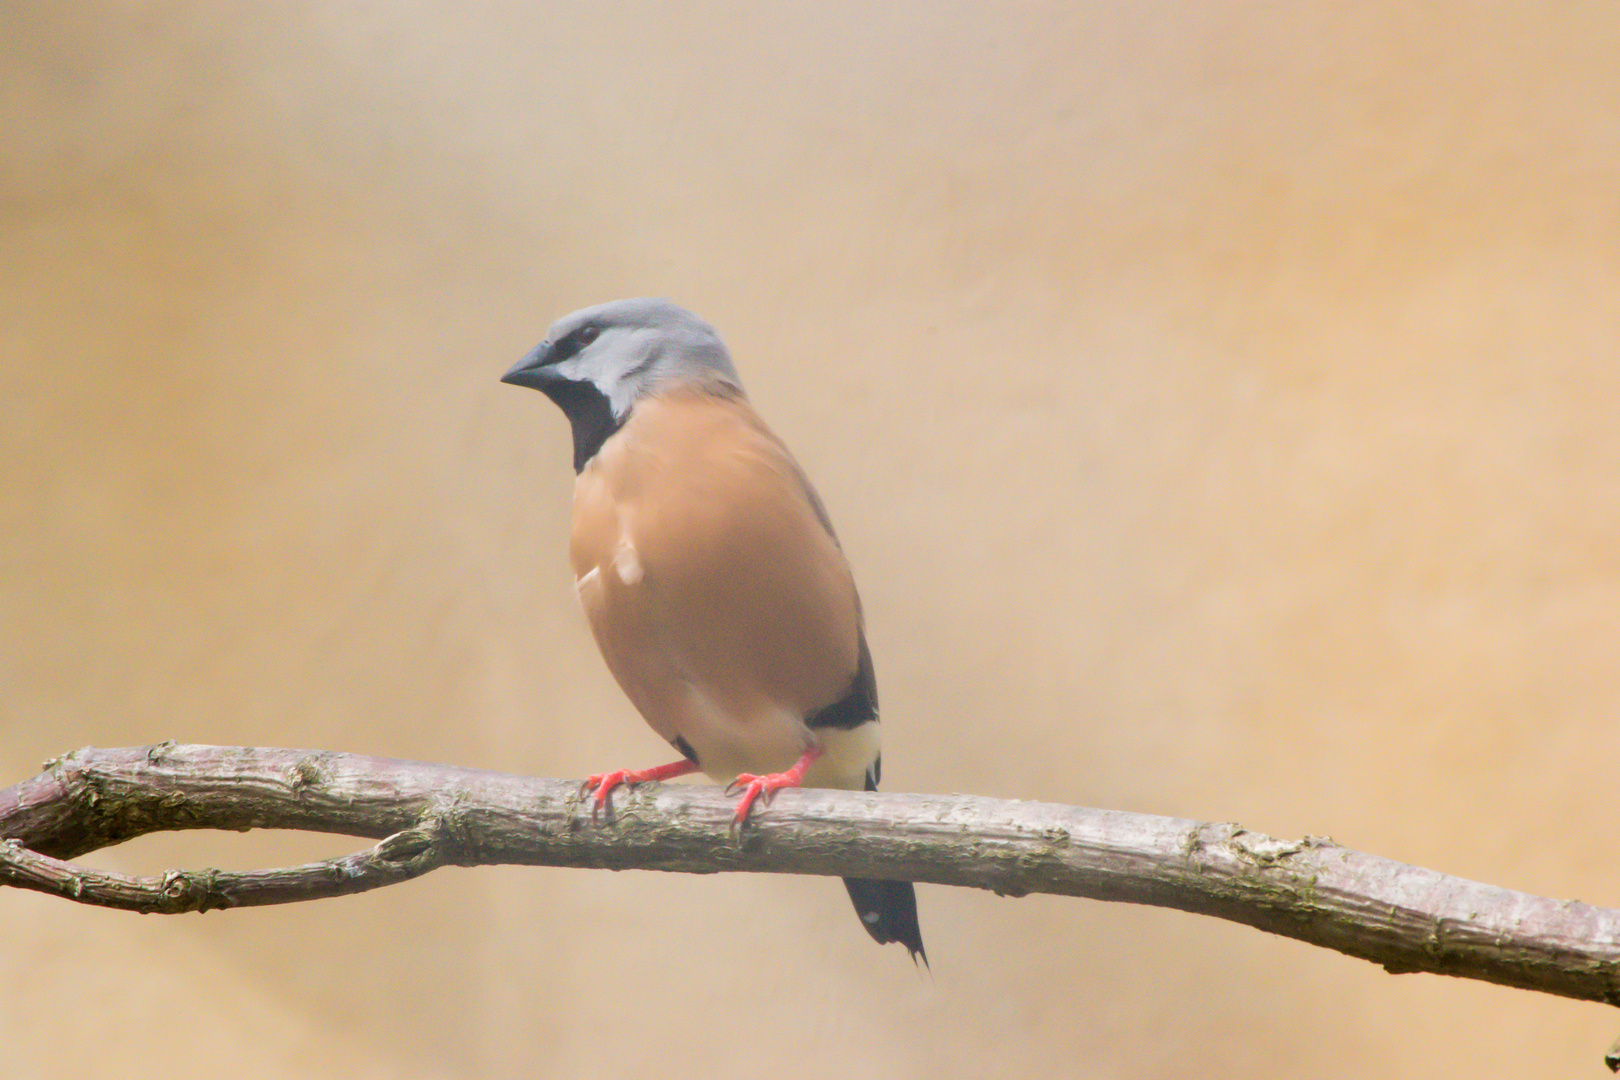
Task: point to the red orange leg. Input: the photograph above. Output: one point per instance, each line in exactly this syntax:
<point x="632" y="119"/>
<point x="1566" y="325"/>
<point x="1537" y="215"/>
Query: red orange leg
<point x="754" y="786"/>
<point x="604" y="783"/>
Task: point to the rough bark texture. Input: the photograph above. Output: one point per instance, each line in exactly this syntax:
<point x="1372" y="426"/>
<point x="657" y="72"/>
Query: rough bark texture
<point x="1403" y="917"/>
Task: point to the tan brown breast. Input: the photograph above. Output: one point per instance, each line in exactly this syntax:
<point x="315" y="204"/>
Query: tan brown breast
<point x="719" y="599"/>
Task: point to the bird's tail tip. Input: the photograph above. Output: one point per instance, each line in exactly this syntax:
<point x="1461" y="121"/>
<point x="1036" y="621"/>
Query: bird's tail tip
<point x="888" y="910"/>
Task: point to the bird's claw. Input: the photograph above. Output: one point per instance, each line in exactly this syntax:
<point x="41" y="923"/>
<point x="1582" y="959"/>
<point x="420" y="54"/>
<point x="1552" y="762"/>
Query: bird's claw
<point x="756" y="788"/>
<point x="603" y="784"/>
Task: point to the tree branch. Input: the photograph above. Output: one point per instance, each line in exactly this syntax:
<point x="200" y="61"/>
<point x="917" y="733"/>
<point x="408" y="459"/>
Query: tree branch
<point x="402" y="856"/>
<point x="1403" y="917"/>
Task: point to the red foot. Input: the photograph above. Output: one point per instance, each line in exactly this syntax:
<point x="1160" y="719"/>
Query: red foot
<point x="604" y="783"/>
<point x="767" y="785"/>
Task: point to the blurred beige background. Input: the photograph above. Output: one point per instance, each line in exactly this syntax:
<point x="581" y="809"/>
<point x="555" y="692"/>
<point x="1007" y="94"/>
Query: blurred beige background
<point x="1218" y="403"/>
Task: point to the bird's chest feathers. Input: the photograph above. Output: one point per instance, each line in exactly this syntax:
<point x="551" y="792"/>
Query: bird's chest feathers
<point x="680" y="499"/>
<point x="625" y="525"/>
<point x="702" y="561"/>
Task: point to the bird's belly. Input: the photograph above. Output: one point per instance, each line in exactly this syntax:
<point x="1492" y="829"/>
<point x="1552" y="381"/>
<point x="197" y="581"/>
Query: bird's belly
<point x="771" y="740"/>
<point x="728" y="741"/>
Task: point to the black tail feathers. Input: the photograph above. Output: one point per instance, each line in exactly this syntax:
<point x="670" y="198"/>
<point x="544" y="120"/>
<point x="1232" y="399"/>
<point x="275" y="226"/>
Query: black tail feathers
<point x="888" y="910"/>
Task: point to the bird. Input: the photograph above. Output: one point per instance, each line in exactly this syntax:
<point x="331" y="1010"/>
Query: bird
<point x="709" y="571"/>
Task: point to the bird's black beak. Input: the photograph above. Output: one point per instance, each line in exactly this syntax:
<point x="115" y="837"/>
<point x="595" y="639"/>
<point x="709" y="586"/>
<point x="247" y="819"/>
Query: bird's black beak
<point x="531" y="371"/>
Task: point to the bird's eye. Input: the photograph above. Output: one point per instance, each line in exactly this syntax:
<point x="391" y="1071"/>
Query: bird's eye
<point x="588" y="334"/>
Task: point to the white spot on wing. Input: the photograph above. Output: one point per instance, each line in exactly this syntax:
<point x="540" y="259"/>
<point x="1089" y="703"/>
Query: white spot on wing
<point x="625" y="561"/>
<point x="587" y="579"/>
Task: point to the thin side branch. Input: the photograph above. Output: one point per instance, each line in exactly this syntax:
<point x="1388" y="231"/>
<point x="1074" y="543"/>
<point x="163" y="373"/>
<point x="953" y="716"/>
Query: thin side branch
<point x="1402" y="917"/>
<point x="400" y="857"/>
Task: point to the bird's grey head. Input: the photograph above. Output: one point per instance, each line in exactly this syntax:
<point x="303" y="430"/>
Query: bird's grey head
<point x="596" y="363"/>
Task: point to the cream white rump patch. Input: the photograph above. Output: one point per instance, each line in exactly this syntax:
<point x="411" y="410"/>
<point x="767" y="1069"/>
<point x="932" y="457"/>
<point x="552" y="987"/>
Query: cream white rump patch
<point x="850" y="753"/>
